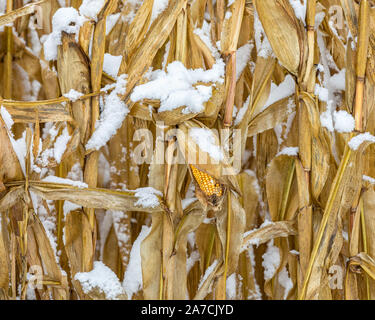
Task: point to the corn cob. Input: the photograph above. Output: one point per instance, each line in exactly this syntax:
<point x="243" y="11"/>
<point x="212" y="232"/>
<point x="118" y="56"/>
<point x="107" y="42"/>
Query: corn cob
<point x="209" y="185"/>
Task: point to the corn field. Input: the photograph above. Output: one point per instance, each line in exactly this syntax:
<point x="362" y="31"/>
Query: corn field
<point x="187" y="149"/>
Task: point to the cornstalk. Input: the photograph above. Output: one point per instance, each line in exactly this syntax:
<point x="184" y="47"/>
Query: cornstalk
<point x="91" y="163"/>
<point x="365" y="246"/>
<point x="170" y="219"/>
<point x="229" y="225"/>
<point x="305" y="135"/>
<point x="60" y="211"/>
<point x="231" y="78"/>
<point x="327" y="213"/>
<point x="8" y="56"/>
<point x="363" y="44"/>
<point x="22" y="225"/>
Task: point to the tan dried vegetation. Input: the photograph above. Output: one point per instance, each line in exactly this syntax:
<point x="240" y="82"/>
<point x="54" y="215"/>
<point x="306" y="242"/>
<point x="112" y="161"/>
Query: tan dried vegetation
<point x="272" y="231"/>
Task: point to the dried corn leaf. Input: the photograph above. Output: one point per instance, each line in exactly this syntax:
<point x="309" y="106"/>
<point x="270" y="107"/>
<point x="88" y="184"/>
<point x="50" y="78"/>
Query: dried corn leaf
<point x="93" y="197"/>
<point x="12" y="197"/>
<point x="41" y="113"/>
<point x="25" y="10"/>
<point x="268" y="232"/>
<point x="270" y="117"/>
<point x="287" y="40"/>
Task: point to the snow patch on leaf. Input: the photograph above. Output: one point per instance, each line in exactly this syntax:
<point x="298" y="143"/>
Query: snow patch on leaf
<point x="357" y="141"/>
<point x="64" y="20"/>
<point x="175" y="87"/>
<point x="91" y="8"/>
<point x="147" y="197"/>
<point x="271" y="260"/>
<point x="54" y="179"/>
<point x="112" y="116"/>
<point x="100" y="278"/>
<point x="205" y="139"/>
<point x="133" y="276"/>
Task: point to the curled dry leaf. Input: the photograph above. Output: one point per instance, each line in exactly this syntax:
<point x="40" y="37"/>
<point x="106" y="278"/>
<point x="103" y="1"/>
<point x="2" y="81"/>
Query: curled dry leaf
<point x="268" y="232"/>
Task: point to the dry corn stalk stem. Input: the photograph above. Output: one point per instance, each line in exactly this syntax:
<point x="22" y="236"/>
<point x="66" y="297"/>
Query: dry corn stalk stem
<point x="187" y="149"/>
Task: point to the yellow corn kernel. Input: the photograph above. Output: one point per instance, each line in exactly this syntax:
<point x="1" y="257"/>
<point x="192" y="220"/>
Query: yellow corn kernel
<point x="208" y="184"/>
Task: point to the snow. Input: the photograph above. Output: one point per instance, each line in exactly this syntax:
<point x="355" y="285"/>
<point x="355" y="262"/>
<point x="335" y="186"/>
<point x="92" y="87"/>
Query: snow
<point x="3" y="6"/>
<point x="54" y="179"/>
<point x="64" y="19"/>
<point x="104" y="227"/>
<point x="326" y="119"/>
<point x="241" y="113"/>
<point x="73" y="95"/>
<point x="263" y="46"/>
<point x="166" y="54"/>
<point x="30" y="87"/>
<point x="289" y="151"/>
<point x="193" y="258"/>
<point x="111" y="64"/>
<point x="283" y="90"/>
<point x="330" y="91"/>
<point x="6" y="117"/>
<point x="255" y="182"/>
<point x="174" y="88"/>
<point x="285" y="282"/>
<point x="70" y="206"/>
<point x="122" y="231"/>
<point x="271" y="260"/>
<point x="243" y="56"/>
<point x="187" y="202"/>
<point x="133" y="6"/>
<point x="19" y="147"/>
<point x="147" y="197"/>
<point x="30" y="292"/>
<point x="235" y="111"/>
<point x="111" y="22"/>
<point x="205" y="139"/>
<point x="209" y="220"/>
<point x="91" y="8"/>
<point x="104" y="170"/>
<point x="33" y="37"/>
<point x="208" y="271"/>
<point x="158" y="7"/>
<point x="344" y="122"/>
<point x="253" y="294"/>
<point x="75" y="172"/>
<point x="368" y="179"/>
<point x="191" y="239"/>
<point x="60" y="145"/>
<point x="112" y="116"/>
<point x="299" y="8"/>
<point x="102" y="278"/>
<point x="204" y="34"/>
<point x="133" y="276"/>
<point x="322" y="93"/>
<point x="255" y="241"/>
<point x="231" y="284"/>
<point x="337" y="81"/>
<point x="281" y="133"/>
<point x="356" y="142"/>
<point x="49" y="225"/>
<point x="48" y="220"/>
